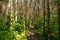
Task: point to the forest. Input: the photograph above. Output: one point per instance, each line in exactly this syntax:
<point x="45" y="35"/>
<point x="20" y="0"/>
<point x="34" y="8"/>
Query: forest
<point x="29" y="19"/>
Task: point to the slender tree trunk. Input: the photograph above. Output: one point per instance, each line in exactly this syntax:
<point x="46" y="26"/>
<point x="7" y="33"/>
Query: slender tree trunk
<point x="8" y="24"/>
<point x="59" y="18"/>
<point x="16" y="11"/>
<point x="37" y="8"/>
<point x="48" y="16"/>
<point x="0" y="10"/>
<point x="21" y="10"/>
<point x="44" y="19"/>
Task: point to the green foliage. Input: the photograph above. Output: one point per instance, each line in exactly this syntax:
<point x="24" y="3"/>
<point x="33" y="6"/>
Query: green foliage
<point x="17" y="31"/>
<point x="57" y="1"/>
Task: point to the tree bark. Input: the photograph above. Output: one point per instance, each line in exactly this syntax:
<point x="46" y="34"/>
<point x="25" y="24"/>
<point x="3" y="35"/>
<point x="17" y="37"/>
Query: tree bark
<point x="44" y="19"/>
<point x="48" y="19"/>
<point x="59" y="18"/>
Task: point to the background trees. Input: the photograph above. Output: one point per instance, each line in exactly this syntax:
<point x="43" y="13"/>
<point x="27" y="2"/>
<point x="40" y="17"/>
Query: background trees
<point x="19" y="19"/>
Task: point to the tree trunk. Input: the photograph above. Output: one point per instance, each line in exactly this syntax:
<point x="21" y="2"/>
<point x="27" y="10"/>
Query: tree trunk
<point x="44" y="19"/>
<point x="59" y="18"/>
<point x="48" y="19"/>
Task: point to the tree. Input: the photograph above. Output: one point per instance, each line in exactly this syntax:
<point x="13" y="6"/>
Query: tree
<point x="59" y="17"/>
<point x="48" y="19"/>
<point x="44" y="18"/>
